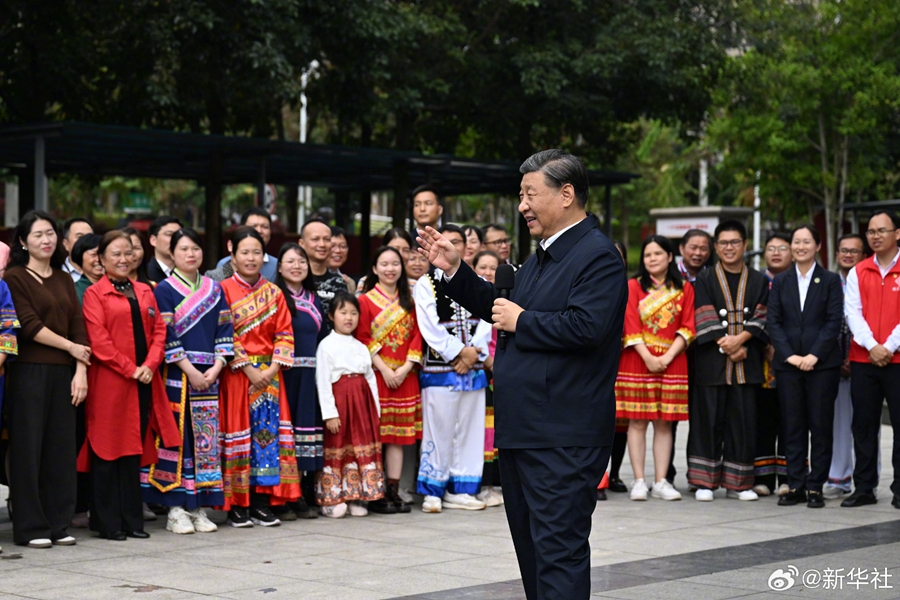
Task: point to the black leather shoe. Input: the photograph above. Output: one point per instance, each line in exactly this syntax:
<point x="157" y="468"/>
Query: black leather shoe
<point x="115" y="536"/>
<point x="141" y="535"/>
<point x="617" y="485"/>
<point x="859" y="499"/>
<point x="793" y="497"/>
<point x="382" y="506"/>
<point x="895" y="501"/>
<point x="816" y="500"/>
<point x="601" y="495"/>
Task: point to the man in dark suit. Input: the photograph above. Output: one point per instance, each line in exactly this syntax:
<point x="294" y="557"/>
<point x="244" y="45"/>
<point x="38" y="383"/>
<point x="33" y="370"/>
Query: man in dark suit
<point x="554" y="402"/>
<point x="804" y="320"/>
<point x="161" y="263"/>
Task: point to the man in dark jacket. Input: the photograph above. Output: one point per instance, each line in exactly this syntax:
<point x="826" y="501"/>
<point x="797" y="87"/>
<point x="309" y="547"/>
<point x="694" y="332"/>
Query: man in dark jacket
<point x="554" y="402"/>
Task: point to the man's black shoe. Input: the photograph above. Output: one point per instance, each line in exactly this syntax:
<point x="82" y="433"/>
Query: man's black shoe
<point x="859" y="499"/>
<point x="793" y="497"/>
<point x="601" y="495"/>
<point x="617" y="485"/>
<point x="895" y="501"/>
<point x="815" y="500"/>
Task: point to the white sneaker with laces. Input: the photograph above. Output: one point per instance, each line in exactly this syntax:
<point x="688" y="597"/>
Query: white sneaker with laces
<point x="432" y="504"/>
<point x="745" y="495"/>
<point x="201" y="522"/>
<point x="639" y="490"/>
<point x="665" y="491"/>
<point x="179" y="521"/>
<point x="334" y="512"/>
<point x="462" y="501"/>
<point x="358" y="509"/>
<point x="703" y="495"/>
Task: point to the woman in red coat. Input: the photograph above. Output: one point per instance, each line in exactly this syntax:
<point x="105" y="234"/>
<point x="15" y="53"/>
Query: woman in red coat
<point x="126" y="403"/>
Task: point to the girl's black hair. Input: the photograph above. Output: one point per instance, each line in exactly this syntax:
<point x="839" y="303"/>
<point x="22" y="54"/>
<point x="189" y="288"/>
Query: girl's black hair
<point x="308" y="283"/>
<point x="403" y="292"/>
<point x="622" y="250"/>
<point x="83" y="245"/>
<point x="397" y="232"/>
<point x="185" y="232"/>
<point x="812" y="230"/>
<point x="18" y="254"/>
<point x="341" y="298"/>
<point x="673" y="277"/>
<point x="242" y="233"/>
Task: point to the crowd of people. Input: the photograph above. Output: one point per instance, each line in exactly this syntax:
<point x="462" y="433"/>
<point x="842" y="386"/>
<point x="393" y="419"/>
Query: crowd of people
<point x="278" y="387"/>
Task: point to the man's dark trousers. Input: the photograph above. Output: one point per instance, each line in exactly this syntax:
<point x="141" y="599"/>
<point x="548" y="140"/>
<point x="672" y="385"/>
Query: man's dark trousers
<point x="550" y="496"/>
<point x="869" y="387"/>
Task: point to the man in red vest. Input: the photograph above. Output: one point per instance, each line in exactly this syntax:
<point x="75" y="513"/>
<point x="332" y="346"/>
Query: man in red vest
<point x="872" y="308"/>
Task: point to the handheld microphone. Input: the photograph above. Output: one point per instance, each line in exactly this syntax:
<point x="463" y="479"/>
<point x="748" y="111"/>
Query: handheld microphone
<point x="504" y="280"/>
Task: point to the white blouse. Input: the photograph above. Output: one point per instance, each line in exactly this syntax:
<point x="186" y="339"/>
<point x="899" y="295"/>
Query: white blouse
<point x="339" y="355"/>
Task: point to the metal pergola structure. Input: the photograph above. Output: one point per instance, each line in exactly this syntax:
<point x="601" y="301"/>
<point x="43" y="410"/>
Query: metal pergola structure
<point x="36" y="151"/>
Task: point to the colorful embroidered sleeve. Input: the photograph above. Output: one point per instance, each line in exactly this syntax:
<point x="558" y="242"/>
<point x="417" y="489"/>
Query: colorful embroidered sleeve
<point x="414" y="354"/>
<point x="165" y="300"/>
<point x="687" y="328"/>
<point x="8" y="322"/>
<point x="283" y="353"/>
<point x="224" y="342"/>
<point x="633" y="333"/>
<point x="707" y="324"/>
<point x="367" y="313"/>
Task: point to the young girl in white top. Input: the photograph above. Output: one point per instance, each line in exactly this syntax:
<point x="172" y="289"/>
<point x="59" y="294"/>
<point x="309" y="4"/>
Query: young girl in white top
<point x="348" y="396"/>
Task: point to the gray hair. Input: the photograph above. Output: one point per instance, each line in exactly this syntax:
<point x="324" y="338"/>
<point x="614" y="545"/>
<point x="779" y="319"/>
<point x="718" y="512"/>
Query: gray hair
<point x="560" y="168"/>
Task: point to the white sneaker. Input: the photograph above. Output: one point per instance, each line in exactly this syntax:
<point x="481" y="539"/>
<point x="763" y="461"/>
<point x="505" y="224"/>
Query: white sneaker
<point x="782" y="489"/>
<point x="65" y="541"/>
<point x="665" y="491"/>
<point x="745" y="495"/>
<point x="201" y="522"/>
<point x="761" y="489"/>
<point x="334" y="512"/>
<point x="833" y="492"/>
<point x="432" y="504"/>
<point x="463" y="501"/>
<point x="703" y="495"/>
<point x="40" y="543"/>
<point x="489" y="497"/>
<point x="179" y="521"/>
<point x="497" y="496"/>
<point x="358" y="509"/>
<point x="639" y="490"/>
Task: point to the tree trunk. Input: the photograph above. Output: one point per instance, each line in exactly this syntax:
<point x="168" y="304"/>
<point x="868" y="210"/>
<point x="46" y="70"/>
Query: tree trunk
<point x="828" y="191"/>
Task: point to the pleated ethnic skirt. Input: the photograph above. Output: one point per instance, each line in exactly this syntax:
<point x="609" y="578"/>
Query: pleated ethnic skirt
<point x="353" y="468"/>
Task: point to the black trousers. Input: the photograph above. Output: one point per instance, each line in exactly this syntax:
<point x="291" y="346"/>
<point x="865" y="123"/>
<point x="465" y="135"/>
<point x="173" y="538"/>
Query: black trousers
<point x="770" y="466"/>
<point x="550" y="495"/>
<point x="116" y="488"/>
<point x="722" y="439"/>
<point x="807" y="419"/>
<point x="869" y="386"/>
<point x="42" y="450"/>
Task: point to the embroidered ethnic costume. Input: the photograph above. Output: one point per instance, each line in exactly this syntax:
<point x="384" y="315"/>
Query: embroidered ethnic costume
<point x="392" y="333"/>
<point x="8" y="343"/>
<point x="655" y="318"/>
<point x="300" y="380"/>
<point x="259" y="453"/>
<point x="347" y="390"/>
<point x="722" y="444"/>
<point x="199" y="329"/>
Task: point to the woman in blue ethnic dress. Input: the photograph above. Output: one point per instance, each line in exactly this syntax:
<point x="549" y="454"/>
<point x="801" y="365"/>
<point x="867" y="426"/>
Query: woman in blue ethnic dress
<point x="307" y="316"/>
<point x="198" y="345"/>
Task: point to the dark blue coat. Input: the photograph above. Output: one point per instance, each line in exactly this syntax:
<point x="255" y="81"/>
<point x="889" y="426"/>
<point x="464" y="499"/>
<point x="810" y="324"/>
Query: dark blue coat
<point x="554" y="383"/>
<point x="817" y="329"/>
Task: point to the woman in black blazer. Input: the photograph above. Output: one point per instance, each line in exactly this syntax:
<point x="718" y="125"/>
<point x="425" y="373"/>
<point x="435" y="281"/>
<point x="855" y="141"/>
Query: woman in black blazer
<point x="804" y="320"/>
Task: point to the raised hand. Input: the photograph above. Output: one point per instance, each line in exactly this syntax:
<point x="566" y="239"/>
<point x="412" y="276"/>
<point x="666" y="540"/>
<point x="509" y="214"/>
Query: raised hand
<point x="438" y="250"/>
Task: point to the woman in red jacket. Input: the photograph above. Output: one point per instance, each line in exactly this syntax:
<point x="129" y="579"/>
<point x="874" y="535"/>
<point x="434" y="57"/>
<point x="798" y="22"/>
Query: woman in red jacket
<point x="126" y="395"/>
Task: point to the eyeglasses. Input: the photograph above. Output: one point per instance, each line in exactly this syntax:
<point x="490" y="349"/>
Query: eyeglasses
<point x="732" y="243"/>
<point x="777" y="249"/>
<point x="503" y="242"/>
<point x="342" y="247"/>
<point x="879" y="232"/>
<point x="850" y="251"/>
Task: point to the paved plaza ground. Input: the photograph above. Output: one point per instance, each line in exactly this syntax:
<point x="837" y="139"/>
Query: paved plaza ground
<point x="641" y="550"/>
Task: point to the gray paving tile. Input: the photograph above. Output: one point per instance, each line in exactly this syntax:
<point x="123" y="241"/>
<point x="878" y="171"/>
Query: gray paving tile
<point x="404" y="581"/>
<point x="308" y="590"/>
<point x="674" y="590"/>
